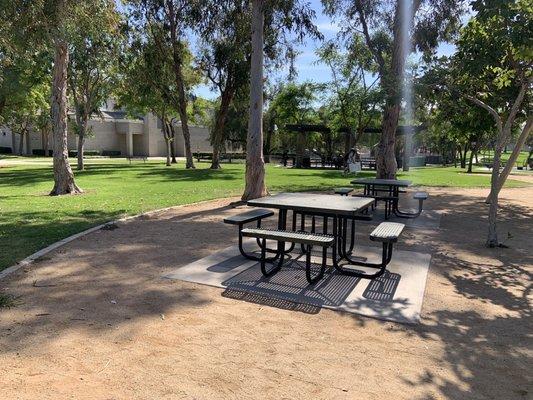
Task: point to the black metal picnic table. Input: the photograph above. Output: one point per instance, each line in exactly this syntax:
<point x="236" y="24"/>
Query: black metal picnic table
<point x="340" y="209"/>
<point x="373" y="187"/>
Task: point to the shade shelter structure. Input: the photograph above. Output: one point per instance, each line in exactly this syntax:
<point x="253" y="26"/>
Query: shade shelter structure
<point x="302" y="130"/>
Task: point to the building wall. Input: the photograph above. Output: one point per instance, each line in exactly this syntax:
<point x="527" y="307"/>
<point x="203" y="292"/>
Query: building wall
<point x="199" y="140"/>
<point x="110" y="135"/>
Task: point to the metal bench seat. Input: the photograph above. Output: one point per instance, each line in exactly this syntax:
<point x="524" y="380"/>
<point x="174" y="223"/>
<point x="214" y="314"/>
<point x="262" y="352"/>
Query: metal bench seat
<point x="256" y="214"/>
<point x="387" y="232"/>
<point x="249" y="216"/>
<point x="344" y="191"/>
<point x="282" y="236"/>
<point x="289" y="236"/>
<point x="420" y="196"/>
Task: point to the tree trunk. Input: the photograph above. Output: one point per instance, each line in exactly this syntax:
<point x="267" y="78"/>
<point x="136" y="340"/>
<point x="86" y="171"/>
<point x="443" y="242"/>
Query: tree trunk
<point x="386" y="158"/>
<point x="169" y="151"/>
<point x="173" y="146"/>
<point x="63" y="176"/>
<point x="217" y="138"/>
<point x="21" y="144"/>
<point x="81" y="144"/>
<point x="471" y="159"/>
<point x="178" y="75"/>
<point x="167" y="136"/>
<point x="492" y="238"/>
<point x="255" y="167"/>
<point x="463" y="157"/>
<point x="516" y="152"/>
<point x="13" y="143"/>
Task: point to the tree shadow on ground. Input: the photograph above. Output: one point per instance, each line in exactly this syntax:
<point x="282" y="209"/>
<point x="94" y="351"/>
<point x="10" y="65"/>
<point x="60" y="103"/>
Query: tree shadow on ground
<point x="482" y="324"/>
<point x="485" y="323"/>
<point x="110" y="278"/>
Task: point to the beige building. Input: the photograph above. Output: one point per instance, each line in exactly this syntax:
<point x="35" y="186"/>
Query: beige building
<point x="114" y="132"/>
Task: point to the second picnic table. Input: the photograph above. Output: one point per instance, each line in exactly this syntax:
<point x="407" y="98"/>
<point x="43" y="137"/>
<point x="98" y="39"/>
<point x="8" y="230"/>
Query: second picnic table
<point x="374" y="187"/>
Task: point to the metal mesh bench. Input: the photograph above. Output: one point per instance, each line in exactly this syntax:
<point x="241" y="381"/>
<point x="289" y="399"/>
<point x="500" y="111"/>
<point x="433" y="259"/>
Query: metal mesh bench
<point x="344" y="191"/>
<point x="256" y="214"/>
<point x="420" y="196"/>
<point x="387" y="233"/>
<point x="282" y="236"/>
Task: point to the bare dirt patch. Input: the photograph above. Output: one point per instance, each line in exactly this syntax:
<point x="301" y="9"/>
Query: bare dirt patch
<point x="96" y="321"/>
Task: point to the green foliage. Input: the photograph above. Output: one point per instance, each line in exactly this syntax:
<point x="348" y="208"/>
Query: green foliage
<point x="6" y="300"/>
<point x="353" y="100"/>
<point x="93" y="61"/>
<point x="293" y="104"/>
<point x="494" y="53"/>
<point x="374" y="21"/>
<point x="30" y="111"/>
<point x="146" y="80"/>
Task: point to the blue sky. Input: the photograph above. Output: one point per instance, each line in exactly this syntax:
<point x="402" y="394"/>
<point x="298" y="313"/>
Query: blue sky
<point x="308" y="69"/>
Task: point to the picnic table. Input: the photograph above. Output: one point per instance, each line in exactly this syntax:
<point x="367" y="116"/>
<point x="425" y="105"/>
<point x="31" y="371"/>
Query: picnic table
<point x="387" y="190"/>
<point x="339" y="209"/>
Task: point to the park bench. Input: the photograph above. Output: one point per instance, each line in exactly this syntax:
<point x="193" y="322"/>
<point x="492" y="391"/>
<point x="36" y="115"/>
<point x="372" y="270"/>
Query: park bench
<point x="387" y="233"/>
<point x="255" y="215"/>
<point x="420" y="196"/>
<point x="344" y="191"/>
<point x="304" y="238"/>
<point x="139" y="158"/>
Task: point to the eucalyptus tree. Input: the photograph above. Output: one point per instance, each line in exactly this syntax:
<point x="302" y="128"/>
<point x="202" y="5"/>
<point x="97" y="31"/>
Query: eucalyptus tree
<point x="146" y="82"/>
<point x="174" y="18"/>
<point x="225" y="60"/>
<point x="93" y="58"/>
<point x="392" y="29"/>
<point x="354" y="98"/>
<point x="272" y="19"/>
<point x="493" y="69"/>
<point x="52" y="24"/>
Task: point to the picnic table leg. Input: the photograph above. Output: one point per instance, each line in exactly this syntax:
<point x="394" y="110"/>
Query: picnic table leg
<point x="308" y="264"/>
<point x="255" y="258"/>
<point x="386" y="257"/>
<point x="302" y="228"/>
<point x="263" y="260"/>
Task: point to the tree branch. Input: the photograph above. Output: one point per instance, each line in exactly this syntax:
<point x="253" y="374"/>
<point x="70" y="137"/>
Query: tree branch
<point x="492" y="111"/>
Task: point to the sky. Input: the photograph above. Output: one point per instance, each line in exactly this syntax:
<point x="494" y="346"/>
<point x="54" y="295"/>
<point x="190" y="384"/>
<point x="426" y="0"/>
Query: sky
<point x="306" y="66"/>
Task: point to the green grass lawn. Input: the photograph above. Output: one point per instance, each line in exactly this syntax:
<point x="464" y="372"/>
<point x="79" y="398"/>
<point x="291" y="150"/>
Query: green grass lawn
<point x="522" y="157"/>
<point x="31" y="220"/>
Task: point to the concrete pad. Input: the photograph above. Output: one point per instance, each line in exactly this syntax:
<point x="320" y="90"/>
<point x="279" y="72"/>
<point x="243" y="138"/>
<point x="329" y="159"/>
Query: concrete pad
<point x="395" y="296"/>
<point x="429" y="219"/>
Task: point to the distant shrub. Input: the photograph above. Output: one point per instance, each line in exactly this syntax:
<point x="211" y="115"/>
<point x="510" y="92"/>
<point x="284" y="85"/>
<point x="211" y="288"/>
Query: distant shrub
<point x="40" y="152"/>
<point x="111" y="153"/>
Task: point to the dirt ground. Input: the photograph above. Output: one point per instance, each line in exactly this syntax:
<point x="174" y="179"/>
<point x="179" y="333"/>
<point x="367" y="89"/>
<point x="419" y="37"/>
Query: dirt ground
<point x="95" y="320"/>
